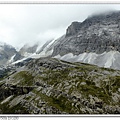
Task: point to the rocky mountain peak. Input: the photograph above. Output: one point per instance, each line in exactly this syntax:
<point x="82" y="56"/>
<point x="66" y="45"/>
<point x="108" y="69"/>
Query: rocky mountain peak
<point x="73" y="28"/>
<point x="97" y="34"/>
<point x="103" y="18"/>
<point x="94" y="41"/>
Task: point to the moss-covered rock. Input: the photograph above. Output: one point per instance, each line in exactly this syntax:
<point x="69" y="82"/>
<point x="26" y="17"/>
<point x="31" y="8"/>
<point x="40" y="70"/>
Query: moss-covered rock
<point x="59" y="87"/>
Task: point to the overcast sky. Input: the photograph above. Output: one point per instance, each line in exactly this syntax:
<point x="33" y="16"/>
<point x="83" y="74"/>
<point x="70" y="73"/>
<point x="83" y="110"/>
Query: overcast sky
<point x="29" y="23"/>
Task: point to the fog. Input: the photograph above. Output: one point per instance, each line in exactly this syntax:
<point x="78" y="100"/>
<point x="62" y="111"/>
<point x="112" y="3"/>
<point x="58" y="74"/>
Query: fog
<point x="32" y="23"/>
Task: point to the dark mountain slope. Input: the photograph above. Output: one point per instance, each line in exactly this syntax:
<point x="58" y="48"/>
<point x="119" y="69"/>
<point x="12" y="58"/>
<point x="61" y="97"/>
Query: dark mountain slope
<point x="50" y="86"/>
<point x="7" y="52"/>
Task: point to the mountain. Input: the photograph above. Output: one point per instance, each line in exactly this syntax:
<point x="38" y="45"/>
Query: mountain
<point x="26" y="50"/>
<point x="51" y="86"/>
<point x="95" y="41"/>
<point x="57" y="79"/>
<point x="8" y="54"/>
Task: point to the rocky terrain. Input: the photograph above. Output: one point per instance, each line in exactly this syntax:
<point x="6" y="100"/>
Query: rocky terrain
<point x="51" y="86"/>
<point x="94" y="41"/>
<point x="98" y="33"/>
<point x="57" y="79"/>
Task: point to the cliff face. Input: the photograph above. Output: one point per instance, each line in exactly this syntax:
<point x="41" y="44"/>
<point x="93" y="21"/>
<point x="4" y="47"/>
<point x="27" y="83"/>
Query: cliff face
<point x="73" y="29"/>
<point x="97" y="34"/>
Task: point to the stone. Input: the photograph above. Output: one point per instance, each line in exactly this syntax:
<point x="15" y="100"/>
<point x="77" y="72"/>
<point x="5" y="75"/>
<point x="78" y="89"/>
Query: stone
<point x="83" y="83"/>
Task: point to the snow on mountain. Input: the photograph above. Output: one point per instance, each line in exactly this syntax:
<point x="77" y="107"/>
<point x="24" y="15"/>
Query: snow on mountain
<point x="106" y="59"/>
<point x="46" y="45"/>
<point x="109" y="59"/>
<point x="27" y="49"/>
<point x="11" y="59"/>
<point x="7" y="53"/>
<point x="44" y="50"/>
<point x="94" y="41"/>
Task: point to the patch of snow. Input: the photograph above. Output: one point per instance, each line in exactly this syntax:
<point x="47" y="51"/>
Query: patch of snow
<point x="86" y="57"/>
<point x="110" y="59"/>
<point x="7" y="99"/>
<point x="19" y="61"/>
<point x="11" y="59"/>
<point x="50" y="44"/>
<point x="38" y="48"/>
<point x="90" y="57"/>
<point x="57" y="56"/>
<point x="49" y="52"/>
<point x="81" y="57"/>
<point x="67" y="56"/>
<point x="106" y="59"/>
<point x="34" y="55"/>
<point x="26" y="54"/>
<point x="46" y="48"/>
<point x="46" y="53"/>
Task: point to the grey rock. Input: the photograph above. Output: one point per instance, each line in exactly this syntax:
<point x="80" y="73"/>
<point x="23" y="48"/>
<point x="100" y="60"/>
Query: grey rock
<point x="98" y="33"/>
<point x="6" y="52"/>
<point x="28" y="49"/>
<point x="73" y="29"/>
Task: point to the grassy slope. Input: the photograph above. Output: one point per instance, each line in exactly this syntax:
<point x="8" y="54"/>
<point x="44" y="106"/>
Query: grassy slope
<point x="82" y="79"/>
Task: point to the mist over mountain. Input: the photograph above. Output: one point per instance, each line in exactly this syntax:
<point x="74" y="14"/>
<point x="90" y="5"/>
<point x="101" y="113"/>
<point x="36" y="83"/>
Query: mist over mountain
<point x="95" y="41"/>
<point x="6" y="52"/>
<point x="78" y="73"/>
<point x="97" y="34"/>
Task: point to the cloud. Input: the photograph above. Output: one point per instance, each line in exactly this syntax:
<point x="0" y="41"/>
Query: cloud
<point x="29" y="23"/>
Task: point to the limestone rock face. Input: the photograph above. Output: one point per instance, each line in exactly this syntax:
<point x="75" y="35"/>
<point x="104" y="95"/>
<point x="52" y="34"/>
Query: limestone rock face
<point x="98" y="33"/>
<point x="73" y="28"/>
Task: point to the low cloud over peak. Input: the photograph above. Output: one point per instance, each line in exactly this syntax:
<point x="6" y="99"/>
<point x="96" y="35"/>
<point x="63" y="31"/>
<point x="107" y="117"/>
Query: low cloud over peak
<point x="24" y="23"/>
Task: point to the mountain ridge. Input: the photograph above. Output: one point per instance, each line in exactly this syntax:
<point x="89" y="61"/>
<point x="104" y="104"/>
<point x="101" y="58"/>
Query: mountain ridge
<point x="52" y="86"/>
<point x="96" y="34"/>
<point x="59" y="78"/>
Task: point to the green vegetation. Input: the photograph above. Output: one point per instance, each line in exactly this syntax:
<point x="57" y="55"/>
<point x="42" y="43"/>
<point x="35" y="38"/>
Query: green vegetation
<point x="26" y="79"/>
<point x="78" y="80"/>
<point x="18" y="109"/>
<point x="61" y="103"/>
<point x="82" y="73"/>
